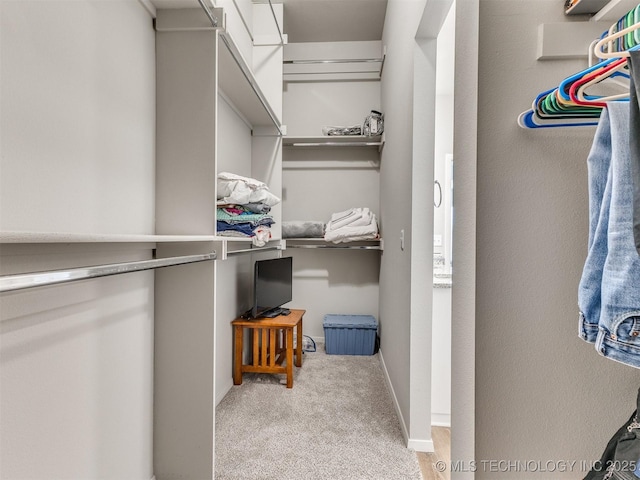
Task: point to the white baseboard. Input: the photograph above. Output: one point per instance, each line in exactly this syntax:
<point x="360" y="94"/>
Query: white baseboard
<point x="153" y="478"/>
<point x="421" y="445"/>
<point x="221" y="392"/>
<point x="403" y="426"/>
<point x="415" y="444"/>
<point x="441" y="420"/>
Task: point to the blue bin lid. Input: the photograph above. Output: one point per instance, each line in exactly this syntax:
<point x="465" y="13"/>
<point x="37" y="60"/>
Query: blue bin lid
<point x="353" y="321"/>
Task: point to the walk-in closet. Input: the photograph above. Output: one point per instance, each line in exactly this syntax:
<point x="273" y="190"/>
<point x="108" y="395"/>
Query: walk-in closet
<point x="153" y="152"/>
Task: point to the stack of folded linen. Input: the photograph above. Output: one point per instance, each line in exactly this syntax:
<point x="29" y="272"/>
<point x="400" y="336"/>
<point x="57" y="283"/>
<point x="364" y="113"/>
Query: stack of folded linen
<point x="352" y="225"/>
<point x="303" y="229"/>
<point x="243" y="208"/>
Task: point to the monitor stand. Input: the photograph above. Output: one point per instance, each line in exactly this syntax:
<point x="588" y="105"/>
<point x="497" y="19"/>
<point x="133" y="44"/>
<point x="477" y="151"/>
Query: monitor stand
<point x="276" y="312"/>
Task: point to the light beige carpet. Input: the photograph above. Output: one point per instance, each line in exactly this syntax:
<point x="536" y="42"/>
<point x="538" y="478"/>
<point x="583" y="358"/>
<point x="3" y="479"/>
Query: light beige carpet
<point x="337" y="423"/>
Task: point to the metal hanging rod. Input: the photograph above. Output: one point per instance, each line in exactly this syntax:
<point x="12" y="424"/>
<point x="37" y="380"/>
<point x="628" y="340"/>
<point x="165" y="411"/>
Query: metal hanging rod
<point x="337" y="60"/>
<point x="254" y="250"/>
<point x="359" y="72"/>
<point x="9" y="283"/>
<point x="336" y="144"/>
<point x="381" y="61"/>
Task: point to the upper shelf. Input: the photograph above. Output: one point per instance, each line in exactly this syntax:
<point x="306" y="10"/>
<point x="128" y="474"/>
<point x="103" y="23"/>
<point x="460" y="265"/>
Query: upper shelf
<point x="313" y="243"/>
<point x="58" y="237"/>
<point x="236" y="78"/>
<point x="335" y="141"/>
<point x="238" y="83"/>
<point x="603" y="10"/>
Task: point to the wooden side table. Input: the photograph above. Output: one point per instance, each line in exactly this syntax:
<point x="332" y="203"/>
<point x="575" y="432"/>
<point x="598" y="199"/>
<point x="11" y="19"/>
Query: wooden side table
<point x="272" y="343"/>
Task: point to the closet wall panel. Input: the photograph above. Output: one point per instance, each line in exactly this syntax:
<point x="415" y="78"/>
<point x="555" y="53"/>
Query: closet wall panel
<point x="77" y="129"/>
<point x="532" y="237"/>
<point x="77" y="117"/>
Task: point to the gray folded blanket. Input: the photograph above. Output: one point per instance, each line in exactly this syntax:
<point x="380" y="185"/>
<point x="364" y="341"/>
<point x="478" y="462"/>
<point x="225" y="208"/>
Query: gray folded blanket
<point x="302" y="229"/>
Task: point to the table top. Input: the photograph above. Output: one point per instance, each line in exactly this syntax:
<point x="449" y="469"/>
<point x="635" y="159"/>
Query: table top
<point x="281" y="321"/>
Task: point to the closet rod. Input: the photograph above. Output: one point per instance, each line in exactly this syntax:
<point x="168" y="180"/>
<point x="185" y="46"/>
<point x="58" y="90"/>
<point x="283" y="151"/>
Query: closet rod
<point x="337" y="60"/>
<point x="254" y="250"/>
<point x="236" y="55"/>
<point x="336" y="144"/>
<point x="276" y="21"/>
<point x="10" y="283"/>
<point x="212" y="18"/>
<point x="381" y="61"/>
<point x="346" y="247"/>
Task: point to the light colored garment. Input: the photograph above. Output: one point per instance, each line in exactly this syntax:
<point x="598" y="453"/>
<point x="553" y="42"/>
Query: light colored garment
<point x="236" y="189"/>
<point x="355" y="217"/>
<point x="302" y="229"/>
<point x="352" y="225"/>
<point x="261" y="235"/>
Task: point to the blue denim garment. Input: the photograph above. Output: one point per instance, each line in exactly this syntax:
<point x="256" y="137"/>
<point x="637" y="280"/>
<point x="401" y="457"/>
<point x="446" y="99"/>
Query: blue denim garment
<point x="634" y="139"/>
<point x="599" y="180"/>
<point x="619" y="326"/>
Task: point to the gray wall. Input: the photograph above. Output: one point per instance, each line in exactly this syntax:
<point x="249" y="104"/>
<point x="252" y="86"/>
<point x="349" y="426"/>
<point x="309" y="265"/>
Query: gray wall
<point x="463" y="294"/>
<point x="395" y="201"/>
<point x="320" y="181"/>
<point x="78" y="155"/>
<point x="541" y="392"/>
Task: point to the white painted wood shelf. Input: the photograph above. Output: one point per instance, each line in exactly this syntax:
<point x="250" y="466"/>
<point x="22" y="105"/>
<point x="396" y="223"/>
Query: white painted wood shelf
<point x="60" y="237"/>
<point x="309" y="243"/>
<point x="614" y="10"/>
<point x="336" y="141"/>
<point x="238" y="83"/>
<point x="602" y="10"/>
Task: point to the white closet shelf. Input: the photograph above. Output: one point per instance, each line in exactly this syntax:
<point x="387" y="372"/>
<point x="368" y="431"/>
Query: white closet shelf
<point x="236" y="78"/>
<point x="240" y="86"/>
<point x="310" y="243"/>
<point x="58" y="237"/>
<point x="602" y="10"/>
<point x="614" y="10"/>
<point x="334" y="141"/>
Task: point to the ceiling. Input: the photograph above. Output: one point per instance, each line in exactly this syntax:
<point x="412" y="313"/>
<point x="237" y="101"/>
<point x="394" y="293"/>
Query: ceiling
<point x="320" y="20"/>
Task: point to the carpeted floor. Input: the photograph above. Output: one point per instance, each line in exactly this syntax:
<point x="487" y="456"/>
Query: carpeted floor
<point x="336" y="423"/>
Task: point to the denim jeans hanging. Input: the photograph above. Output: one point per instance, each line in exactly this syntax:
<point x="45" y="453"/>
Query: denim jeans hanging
<point x="599" y="181"/>
<point x="634" y="141"/>
<point x="612" y="255"/>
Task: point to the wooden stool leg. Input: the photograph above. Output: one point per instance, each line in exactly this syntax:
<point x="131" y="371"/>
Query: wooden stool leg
<point x="263" y="348"/>
<point x="299" y="344"/>
<point x="289" y="357"/>
<point x="272" y="347"/>
<point x="237" y="366"/>
<point x="256" y="346"/>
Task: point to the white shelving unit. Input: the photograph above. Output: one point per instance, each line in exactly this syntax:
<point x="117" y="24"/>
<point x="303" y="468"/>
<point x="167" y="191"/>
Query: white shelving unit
<point x="195" y="66"/>
<point x="311" y="243"/>
<point x="614" y="10"/>
<point x="217" y="111"/>
<point x="73" y="237"/>
<point x="602" y="10"/>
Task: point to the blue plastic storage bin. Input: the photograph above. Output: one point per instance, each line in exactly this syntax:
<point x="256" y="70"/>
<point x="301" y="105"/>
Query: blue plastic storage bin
<point x="350" y="334"/>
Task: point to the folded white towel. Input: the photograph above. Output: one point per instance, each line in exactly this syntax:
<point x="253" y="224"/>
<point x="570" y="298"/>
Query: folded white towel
<point x="352" y="218"/>
<point x="353" y="233"/>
